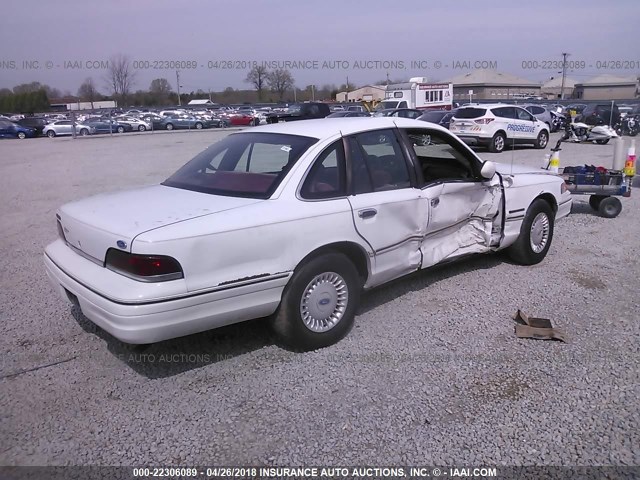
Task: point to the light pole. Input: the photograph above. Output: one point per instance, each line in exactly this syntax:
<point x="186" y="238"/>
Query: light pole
<point x="178" y="85"/>
<point x="564" y="74"/>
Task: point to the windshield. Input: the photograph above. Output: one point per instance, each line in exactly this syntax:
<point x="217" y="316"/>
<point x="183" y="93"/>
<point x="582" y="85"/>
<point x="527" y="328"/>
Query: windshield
<point x="242" y="165"/>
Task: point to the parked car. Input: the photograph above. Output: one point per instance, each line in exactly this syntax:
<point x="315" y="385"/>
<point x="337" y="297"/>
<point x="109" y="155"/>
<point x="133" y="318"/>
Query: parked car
<point x="347" y="114"/>
<point x="498" y="125"/>
<point x="439" y="117"/>
<point x="135" y="123"/>
<point x="184" y="121"/>
<point x="300" y="111"/>
<point x="37" y="123"/>
<point x="10" y="129"/>
<point x="106" y="125"/>
<point x="241" y="118"/>
<point x="65" y="127"/>
<point x="599" y="114"/>
<point x="154" y="120"/>
<point x="542" y="114"/>
<point x="336" y="206"/>
<point x="399" y="112"/>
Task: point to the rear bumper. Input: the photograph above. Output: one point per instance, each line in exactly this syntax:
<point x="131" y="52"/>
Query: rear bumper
<point x="151" y="322"/>
<point x="474" y="139"/>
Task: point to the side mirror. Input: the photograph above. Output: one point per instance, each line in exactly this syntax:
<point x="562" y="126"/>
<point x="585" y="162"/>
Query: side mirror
<point x="488" y="170"/>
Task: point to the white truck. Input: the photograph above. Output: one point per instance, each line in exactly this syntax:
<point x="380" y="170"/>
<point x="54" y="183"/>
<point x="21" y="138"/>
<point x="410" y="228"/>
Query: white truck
<point x="418" y="93"/>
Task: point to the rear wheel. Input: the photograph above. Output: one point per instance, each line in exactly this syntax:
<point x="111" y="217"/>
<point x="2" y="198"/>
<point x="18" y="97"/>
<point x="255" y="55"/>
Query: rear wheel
<point x="51" y="134"/>
<point x="319" y="303"/>
<point x="120" y="129"/>
<point x="604" y="141"/>
<point x="594" y="201"/>
<point x="198" y="126"/>
<point x="22" y="135"/>
<point x="535" y="236"/>
<point x="498" y="143"/>
<point x="141" y="128"/>
<point x="169" y="126"/>
<point x="610" y="207"/>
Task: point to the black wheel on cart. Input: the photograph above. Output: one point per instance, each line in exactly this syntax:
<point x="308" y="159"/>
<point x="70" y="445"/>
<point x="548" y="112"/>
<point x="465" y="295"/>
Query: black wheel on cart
<point x="610" y="207"/>
<point x="594" y="201"/>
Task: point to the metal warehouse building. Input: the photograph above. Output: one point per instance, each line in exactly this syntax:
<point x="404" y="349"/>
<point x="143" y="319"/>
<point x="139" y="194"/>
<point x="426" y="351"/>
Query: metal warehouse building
<point x="607" y="87"/>
<point x="492" y="85"/>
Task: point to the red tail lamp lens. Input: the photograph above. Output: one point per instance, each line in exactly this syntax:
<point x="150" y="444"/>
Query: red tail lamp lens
<point x="146" y="268"/>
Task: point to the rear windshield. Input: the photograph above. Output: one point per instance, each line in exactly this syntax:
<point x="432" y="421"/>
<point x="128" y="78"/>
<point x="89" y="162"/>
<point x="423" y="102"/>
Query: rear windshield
<point x="242" y="165"/>
<point x="470" y="112"/>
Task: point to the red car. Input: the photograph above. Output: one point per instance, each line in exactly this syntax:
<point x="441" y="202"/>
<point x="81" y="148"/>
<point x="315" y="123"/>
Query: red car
<point x="243" y="119"/>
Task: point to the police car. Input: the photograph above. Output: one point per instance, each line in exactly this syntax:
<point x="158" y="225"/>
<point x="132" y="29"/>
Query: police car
<point x="498" y="125"/>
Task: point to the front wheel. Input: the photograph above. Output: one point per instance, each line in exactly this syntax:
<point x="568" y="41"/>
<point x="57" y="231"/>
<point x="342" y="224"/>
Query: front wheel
<point x="141" y="128"/>
<point x="542" y="140"/>
<point x="198" y="126"/>
<point x="603" y="141"/>
<point x="535" y="236"/>
<point x="22" y="135"/>
<point x="84" y="132"/>
<point x="51" y="134"/>
<point x="497" y="143"/>
<point x="169" y="126"/>
<point x="319" y="303"/>
<point x="120" y="129"/>
<point x="594" y="201"/>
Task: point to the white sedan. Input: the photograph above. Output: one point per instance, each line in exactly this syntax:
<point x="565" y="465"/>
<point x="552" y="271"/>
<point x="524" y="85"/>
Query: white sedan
<point x="291" y="221"/>
<point x="136" y="123"/>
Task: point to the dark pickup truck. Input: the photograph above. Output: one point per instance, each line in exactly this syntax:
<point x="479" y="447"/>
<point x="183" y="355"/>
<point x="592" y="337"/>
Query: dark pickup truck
<point x="300" y="111"/>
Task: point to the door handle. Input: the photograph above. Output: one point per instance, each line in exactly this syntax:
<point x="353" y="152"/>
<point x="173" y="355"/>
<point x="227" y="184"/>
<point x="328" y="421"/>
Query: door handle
<point x="372" y="212"/>
<point x="435" y="202"/>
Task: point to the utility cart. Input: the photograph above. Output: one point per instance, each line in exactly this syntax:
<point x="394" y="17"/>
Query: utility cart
<point x="603" y="188"/>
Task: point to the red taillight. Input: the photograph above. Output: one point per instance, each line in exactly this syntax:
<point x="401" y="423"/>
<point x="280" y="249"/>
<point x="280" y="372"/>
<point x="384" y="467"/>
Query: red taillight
<point x="484" y="121"/>
<point x="145" y="268"/>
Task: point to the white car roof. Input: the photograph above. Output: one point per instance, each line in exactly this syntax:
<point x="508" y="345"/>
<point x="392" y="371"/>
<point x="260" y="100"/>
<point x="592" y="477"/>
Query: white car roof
<point x="327" y="127"/>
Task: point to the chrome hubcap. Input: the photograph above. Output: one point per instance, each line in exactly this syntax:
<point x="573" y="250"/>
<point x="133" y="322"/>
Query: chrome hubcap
<point x="543" y="140"/>
<point x="499" y="143"/>
<point x="539" y="235"/>
<point x="324" y="302"/>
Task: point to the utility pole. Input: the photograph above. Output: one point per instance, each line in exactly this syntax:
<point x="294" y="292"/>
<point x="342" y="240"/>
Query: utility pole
<point x="178" y="85"/>
<point x="347" y="95"/>
<point x="564" y="74"/>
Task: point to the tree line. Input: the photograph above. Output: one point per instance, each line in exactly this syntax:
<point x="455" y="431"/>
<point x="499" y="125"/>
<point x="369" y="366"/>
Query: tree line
<point x="267" y="86"/>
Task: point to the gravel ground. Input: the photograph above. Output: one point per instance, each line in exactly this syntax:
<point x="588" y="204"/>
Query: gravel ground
<point x="432" y="373"/>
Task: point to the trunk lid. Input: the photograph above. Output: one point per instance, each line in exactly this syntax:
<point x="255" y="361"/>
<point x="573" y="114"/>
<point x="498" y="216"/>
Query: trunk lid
<point x="113" y="220"/>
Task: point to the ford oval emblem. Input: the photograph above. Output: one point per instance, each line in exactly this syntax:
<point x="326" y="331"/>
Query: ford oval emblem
<point x="324" y="301"/>
<point x="121" y="244"/>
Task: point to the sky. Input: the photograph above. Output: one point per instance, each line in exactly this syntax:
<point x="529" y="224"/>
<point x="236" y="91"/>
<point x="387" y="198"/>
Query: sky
<point x="214" y="42"/>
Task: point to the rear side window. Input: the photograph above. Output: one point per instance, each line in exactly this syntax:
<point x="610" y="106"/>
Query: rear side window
<point x="471" y="113"/>
<point x="326" y="178"/>
<point x="505" y="112"/>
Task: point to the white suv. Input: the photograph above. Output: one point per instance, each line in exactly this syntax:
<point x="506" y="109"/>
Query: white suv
<point x="498" y="124"/>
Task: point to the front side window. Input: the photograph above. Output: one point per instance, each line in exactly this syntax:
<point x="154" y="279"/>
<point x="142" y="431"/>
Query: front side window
<point x="524" y="115"/>
<point x="439" y="157"/>
<point x="242" y="165"/>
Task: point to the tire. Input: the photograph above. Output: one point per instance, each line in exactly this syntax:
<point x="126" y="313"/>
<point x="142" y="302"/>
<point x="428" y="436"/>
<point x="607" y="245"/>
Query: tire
<point x="169" y="126"/>
<point x="51" y="134"/>
<point x="198" y="126"/>
<point x="602" y="142"/>
<point x="21" y="135"/>
<point x="594" y="201"/>
<point x="84" y="132"/>
<point x="498" y="142"/>
<point x="535" y="236"/>
<point x="610" y="207"/>
<point x="542" y="140"/>
<point x="313" y="284"/>
<point x="120" y="129"/>
<point x="141" y="128"/>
